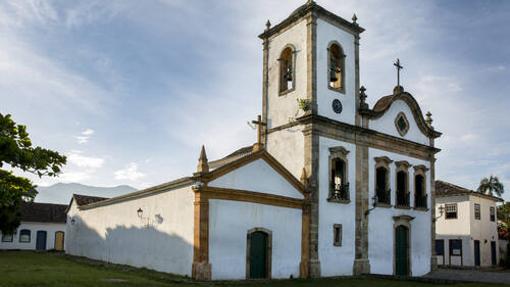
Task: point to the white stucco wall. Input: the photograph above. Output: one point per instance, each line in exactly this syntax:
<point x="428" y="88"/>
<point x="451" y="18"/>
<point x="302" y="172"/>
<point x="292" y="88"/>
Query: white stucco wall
<point x="114" y="233"/>
<point x="326" y="33"/>
<point x="461" y="225"/>
<point x="257" y="176"/>
<point x="467" y="258"/>
<point x="288" y="147"/>
<point x="336" y="260"/>
<point x="229" y="223"/>
<point x="283" y="107"/>
<point x="381" y="224"/>
<point x="50" y="229"/>
<point x="484" y="230"/>
<point x="386" y="123"/>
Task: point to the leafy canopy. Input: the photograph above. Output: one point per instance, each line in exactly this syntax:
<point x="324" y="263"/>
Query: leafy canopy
<point x="16" y="151"/>
<point x="491" y="186"/>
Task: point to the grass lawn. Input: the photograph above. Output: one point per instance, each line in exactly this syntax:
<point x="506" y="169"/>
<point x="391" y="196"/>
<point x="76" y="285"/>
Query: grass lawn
<point x="19" y="268"/>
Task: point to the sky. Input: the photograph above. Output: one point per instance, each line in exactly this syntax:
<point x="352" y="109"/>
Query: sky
<point x="130" y="90"/>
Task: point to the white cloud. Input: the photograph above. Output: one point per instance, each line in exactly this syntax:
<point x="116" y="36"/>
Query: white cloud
<point x="75" y="176"/>
<point x="78" y="159"/>
<point x="130" y="172"/>
<point x="85" y="136"/>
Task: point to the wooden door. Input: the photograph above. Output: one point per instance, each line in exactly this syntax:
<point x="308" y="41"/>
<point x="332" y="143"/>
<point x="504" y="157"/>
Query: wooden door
<point x="40" y="243"/>
<point x="401" y="251"/>
<point x="477" y="253"/>
<point x="59" y="241"/>
<point x="493" y="253"/>
<point x="258" y="255"/>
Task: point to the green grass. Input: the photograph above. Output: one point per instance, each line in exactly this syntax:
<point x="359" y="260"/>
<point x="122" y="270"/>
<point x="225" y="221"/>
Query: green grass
<point x="51" y="269"/>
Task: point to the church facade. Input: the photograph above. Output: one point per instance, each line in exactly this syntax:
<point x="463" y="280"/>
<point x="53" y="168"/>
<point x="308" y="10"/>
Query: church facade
<point x="332" y="187"/>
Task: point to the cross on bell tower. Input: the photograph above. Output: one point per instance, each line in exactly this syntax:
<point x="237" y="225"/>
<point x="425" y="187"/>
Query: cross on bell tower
<point x="260" y="125"/>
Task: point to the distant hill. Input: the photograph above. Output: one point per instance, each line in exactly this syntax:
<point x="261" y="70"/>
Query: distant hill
<point x="62" y="192"/>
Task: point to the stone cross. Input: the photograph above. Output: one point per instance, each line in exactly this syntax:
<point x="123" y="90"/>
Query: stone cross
<point x="399" y="67"/>
<point x="260" y="124"/>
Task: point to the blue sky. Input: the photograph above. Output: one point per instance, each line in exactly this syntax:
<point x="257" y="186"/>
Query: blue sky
<point x="129" y="90"/>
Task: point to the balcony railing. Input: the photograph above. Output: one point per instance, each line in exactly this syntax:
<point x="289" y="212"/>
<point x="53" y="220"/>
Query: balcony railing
<point x="383" y="196"/>
<point x="420" y="201"/>
<point x="402" y="199"/>
<point x="339" y="192"/>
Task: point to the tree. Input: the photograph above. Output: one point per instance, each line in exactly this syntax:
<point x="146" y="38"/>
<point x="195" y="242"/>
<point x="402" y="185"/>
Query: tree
<point x="491" y="186"/>
<point x="504" y="213"/>
<point x="16" y="151"/>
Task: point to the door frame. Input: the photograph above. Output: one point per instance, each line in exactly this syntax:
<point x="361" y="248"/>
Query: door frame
<point x="45" y="240"/>
<point x="269" y="249"/>
<point x="55" y="240"/>
<point x="402" y="220"/>
<point x="494" y="254"/>
<point x="475" y="253"/>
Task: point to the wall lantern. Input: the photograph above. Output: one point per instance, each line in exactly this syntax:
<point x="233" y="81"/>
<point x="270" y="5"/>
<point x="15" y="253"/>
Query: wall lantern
<point x="375" y="199"/>
<point x="73" y="221"/>
<point x="139" y="212"/>
<point x="441" y="212"/>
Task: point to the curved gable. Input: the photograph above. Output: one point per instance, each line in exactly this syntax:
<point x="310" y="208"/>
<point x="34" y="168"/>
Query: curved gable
<point x="386" y="114"/>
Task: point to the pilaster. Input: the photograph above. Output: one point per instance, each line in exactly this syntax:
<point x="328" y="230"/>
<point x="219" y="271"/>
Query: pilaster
<point x="265" y="85"/>
<point x="358" y="119"/>
<point x="311" y="61"/>
<point x="361" y="263"/>
<point x="201" y="269"/>
<point x="433" y="258"/>
<point x="312" y="168"/>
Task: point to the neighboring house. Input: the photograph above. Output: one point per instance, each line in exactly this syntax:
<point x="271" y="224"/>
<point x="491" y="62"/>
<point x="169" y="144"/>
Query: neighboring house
<point x="42" y="228"/>
<point x="332" y="187"/>
<point x="466" y="227"/>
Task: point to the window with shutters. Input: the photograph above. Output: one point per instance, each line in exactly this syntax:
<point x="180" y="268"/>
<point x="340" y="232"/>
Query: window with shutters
<point x="477" y="211"/>
<point x="451" y="211"/>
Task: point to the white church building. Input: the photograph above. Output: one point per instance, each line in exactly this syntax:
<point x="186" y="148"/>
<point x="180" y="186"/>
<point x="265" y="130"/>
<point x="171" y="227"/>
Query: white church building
<point x="331" y="188"/>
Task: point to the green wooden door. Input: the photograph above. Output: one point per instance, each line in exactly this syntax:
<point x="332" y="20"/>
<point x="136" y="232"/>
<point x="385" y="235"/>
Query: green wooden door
<point x="401" y="251"/>
<point x="258" y="255"/>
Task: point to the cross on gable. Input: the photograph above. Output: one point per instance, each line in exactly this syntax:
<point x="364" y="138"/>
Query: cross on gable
<point x="399" y="67"/>
<point x="260" y="124"/>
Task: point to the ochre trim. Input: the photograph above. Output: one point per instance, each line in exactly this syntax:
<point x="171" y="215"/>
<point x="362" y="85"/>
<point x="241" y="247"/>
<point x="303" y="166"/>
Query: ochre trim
<point x="263" y="154"/>
<point x="362" y="136"/>
<point x="201" y="269"/>
<point x="250" y="196"/>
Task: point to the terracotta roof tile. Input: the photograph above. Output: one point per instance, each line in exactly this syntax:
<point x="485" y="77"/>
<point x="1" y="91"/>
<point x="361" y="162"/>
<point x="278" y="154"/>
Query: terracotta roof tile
<point x="86" y="199"/>
<point x="43" y="212"/>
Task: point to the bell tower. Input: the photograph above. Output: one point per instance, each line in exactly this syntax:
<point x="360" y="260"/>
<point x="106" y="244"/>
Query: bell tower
<point x="310" y="69"/>
<point x="310" y="77"/>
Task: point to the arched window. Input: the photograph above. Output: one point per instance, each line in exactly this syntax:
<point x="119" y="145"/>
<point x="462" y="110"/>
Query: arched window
<point x="420" y="190"/>
<point x="382" y="191"/>
<point x="287" y="70"/>
<point x="24" y="236"/>
<point x="402" y="194"/>
<point x="336" y="67"/>
<point x="338" y="180"/>
<point x="382" y="183"/>
<point x="419" y="187"/>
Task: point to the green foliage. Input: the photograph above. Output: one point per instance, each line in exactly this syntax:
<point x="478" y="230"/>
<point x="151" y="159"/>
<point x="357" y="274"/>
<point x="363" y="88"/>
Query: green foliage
<point x="16" y="151"/>
<point x="491" y="186"/>
<point x="304" y="104"/>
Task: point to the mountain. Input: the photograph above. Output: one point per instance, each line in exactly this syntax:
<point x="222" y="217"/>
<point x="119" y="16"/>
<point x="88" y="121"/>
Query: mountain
<point x="62" y="192"/>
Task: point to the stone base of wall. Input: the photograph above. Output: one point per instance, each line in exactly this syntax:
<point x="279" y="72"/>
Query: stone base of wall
<point x="315" y="268"/>
<point x="433" y="263"/>
<point x="201" y="271"/>
<point x="360" y="267"/>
